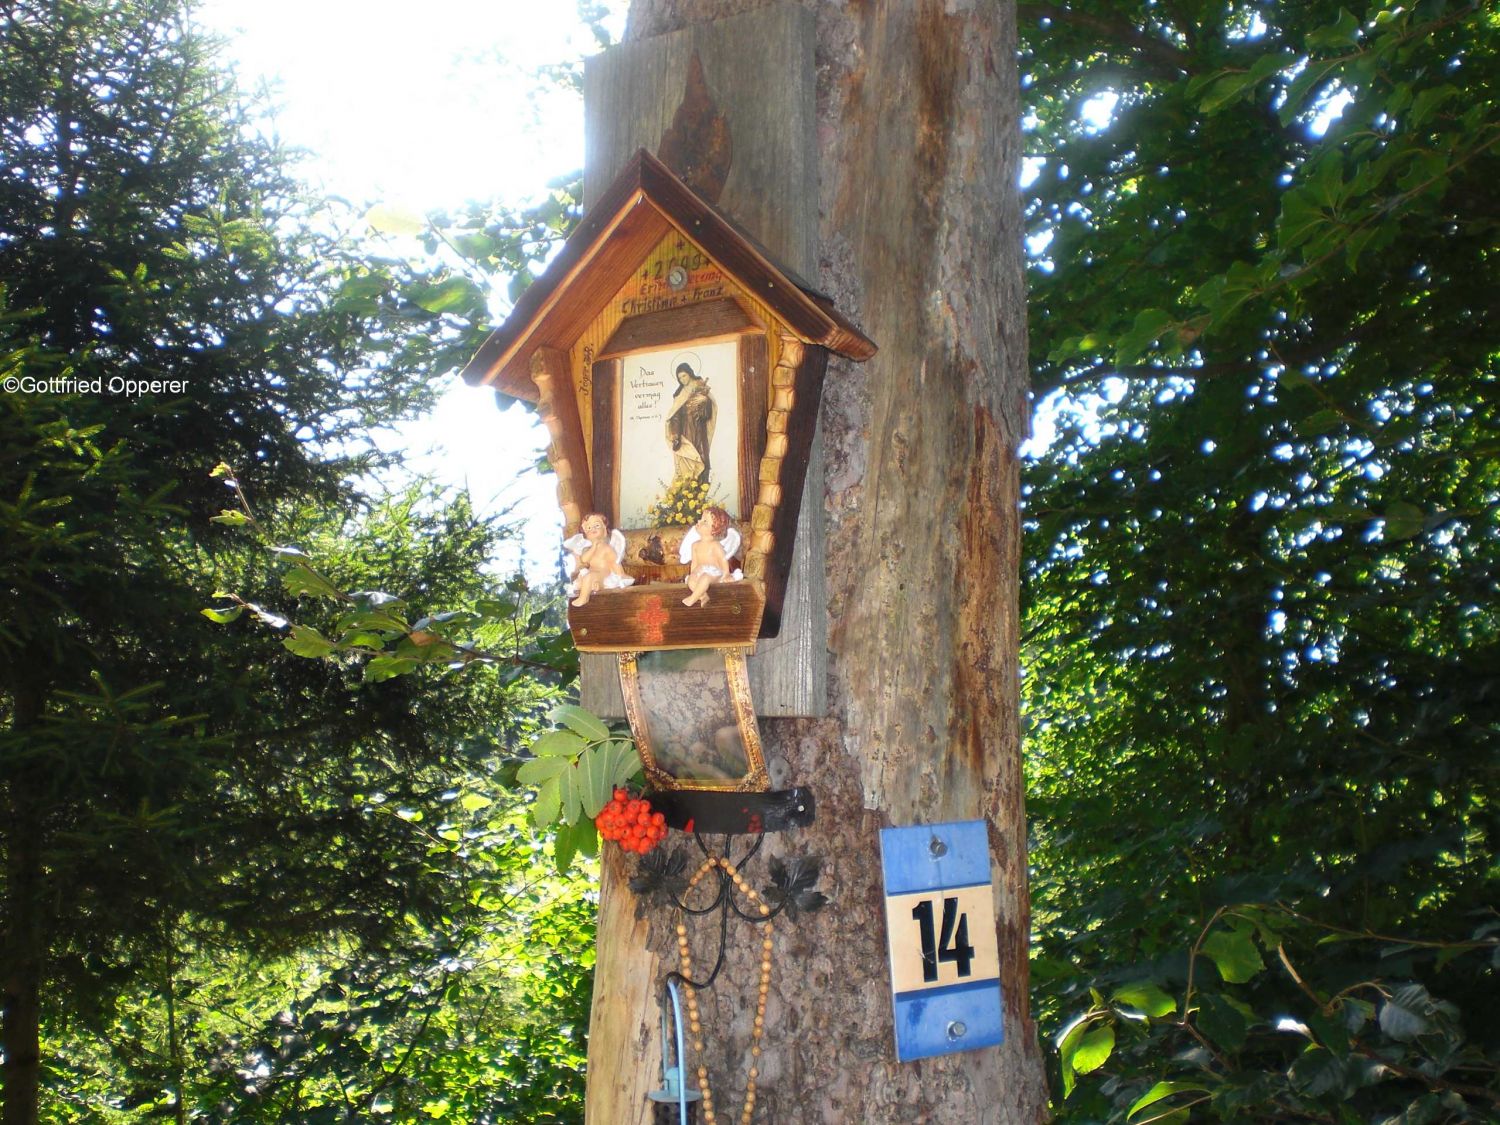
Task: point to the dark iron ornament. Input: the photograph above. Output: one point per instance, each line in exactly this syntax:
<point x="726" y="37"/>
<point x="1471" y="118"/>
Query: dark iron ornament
<point x="661" y="880"/>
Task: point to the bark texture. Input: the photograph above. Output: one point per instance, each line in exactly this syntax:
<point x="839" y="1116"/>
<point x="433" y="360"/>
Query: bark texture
<point x="920" y="242"/>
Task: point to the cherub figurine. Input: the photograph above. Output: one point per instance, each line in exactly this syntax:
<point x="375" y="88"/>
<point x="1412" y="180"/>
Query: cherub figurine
<point x="598" y="552"/>
<point x="708" y="548"/>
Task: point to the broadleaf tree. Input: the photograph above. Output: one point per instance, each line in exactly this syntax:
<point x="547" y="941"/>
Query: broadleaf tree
<point x="1262" y="621"/>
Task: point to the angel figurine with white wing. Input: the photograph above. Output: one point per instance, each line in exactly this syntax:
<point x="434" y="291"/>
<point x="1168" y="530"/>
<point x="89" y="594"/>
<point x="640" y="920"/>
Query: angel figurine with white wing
<point x="597" y="551"/>
<point x="707" y="548"/>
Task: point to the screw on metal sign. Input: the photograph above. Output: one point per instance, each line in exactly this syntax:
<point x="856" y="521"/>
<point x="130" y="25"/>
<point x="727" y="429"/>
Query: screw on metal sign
<point x="940" y="923"/>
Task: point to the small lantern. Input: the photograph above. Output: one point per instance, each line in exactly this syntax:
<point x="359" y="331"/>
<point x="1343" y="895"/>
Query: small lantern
<point x="677" y="369"/>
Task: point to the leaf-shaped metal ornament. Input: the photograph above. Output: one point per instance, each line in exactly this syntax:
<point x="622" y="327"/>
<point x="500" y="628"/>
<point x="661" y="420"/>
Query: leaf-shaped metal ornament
<point x="793" y="884"/>
<point x="660" y="877"/>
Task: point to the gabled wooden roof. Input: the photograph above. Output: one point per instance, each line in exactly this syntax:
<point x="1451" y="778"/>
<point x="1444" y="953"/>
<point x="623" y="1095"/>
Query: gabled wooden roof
<point x="641" y="206"/>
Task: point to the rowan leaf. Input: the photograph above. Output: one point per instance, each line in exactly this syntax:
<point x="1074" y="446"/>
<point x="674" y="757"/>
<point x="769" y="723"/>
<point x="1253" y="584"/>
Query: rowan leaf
<point x="537" y="770"/>
<point x="582" y="722"/>
<point x="558" y="743"/>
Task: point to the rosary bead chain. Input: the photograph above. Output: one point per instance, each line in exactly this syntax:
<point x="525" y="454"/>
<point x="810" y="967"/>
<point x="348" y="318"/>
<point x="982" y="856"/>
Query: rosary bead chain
<point x="730" y="872"/>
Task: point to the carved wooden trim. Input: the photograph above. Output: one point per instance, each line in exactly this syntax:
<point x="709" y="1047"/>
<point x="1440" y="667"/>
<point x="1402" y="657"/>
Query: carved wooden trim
<point x="761" y="539"/>
<point x="652" y="616"/>
<point x="558" y="406"/>
<point x="645" y="201"/>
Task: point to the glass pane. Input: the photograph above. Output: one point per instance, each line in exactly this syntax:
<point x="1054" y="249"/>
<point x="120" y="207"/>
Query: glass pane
<point x="691" y="724"/>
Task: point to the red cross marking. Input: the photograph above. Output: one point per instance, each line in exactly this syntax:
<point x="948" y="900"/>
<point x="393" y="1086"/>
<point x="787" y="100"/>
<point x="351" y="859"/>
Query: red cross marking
<point x="651" y="618"/>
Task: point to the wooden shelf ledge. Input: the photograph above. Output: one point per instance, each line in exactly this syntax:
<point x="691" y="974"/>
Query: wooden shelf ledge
<point x="644" y="618"/>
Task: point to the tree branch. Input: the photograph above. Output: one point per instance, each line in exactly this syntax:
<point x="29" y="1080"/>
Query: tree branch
<point x="1118" y="31"/>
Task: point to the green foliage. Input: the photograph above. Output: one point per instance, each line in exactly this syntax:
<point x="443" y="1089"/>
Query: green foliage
<point x="177" y="806"/>
<point x="1262" y="616"/>
<point x="574" y="767"/>
<point x="1325" y="1042"/>
<point x="577" y="767"/>
<point x="481" y="1016"/>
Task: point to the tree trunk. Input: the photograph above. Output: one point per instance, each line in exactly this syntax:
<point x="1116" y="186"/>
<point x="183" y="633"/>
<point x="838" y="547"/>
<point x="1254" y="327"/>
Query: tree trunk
<point x="921" y="243"/>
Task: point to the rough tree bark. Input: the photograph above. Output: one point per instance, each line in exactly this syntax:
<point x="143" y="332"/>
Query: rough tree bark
<point x="921" y="242"/>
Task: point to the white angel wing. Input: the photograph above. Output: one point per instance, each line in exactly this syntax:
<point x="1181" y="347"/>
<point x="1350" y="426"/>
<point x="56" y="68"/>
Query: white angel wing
<point x="576" y="544"/>
<point x="685" y="552"/>
<point x="731" y="542"/>
<point x="617" y="541"/>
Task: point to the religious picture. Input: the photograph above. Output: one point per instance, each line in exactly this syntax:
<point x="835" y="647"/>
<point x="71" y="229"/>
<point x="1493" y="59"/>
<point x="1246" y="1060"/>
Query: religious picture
<point x="691" y="423"/>
<point x="679" y="434"/>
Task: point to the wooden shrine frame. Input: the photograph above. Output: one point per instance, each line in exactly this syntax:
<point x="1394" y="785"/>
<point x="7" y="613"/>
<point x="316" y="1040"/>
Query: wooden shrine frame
<point x="783" y="332"/>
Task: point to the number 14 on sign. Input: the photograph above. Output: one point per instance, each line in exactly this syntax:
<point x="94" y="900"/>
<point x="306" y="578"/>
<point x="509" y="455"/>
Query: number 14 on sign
<point x="938" y="937"/>
<point x="950" y="947"/>
<point x="940" y="921"/>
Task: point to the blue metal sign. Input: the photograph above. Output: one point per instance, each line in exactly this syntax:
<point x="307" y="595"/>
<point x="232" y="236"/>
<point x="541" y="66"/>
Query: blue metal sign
<point x="944" y="951"/>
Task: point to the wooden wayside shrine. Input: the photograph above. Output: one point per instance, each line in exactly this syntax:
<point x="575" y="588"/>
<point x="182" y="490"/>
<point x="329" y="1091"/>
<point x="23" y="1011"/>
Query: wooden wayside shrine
<point x="676" y="366"/>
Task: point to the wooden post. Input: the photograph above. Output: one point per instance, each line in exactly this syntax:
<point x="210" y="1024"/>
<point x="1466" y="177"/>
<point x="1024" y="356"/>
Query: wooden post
<point x="907" y="151"/>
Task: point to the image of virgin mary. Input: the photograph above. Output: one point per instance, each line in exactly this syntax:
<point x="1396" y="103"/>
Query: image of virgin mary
<point x="690" y="422"/>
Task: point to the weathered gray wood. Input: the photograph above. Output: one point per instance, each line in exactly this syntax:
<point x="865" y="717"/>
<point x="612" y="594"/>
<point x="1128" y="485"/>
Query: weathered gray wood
<point x="759" y="70"/>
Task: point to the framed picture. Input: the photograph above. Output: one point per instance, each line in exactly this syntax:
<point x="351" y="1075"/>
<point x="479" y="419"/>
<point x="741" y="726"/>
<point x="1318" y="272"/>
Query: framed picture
<point x="680" y="401"/>
<point x="693" y="719"/>
<point x="679" y="414"/>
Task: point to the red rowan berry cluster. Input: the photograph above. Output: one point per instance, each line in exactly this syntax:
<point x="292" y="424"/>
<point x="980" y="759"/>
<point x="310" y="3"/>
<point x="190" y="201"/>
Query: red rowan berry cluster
<point x="630" y="821"/>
